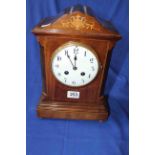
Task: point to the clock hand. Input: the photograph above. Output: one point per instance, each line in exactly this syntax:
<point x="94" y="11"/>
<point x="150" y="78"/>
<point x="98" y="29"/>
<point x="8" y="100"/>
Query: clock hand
<point x="70" y="60"/>
<point x="75" y="59"/>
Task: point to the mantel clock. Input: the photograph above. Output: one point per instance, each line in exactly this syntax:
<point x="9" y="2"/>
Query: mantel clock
<point x="75" y="53"/>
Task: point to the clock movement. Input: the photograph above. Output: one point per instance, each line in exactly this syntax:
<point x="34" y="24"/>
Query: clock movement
<point x="76" y="48"/>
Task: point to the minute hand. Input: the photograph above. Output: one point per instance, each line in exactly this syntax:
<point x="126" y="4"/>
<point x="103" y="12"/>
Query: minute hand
<point x="70" y="60"/>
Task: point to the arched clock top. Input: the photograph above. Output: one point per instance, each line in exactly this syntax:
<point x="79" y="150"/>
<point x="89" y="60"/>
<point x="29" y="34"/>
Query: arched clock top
<point x="77" y="21"/>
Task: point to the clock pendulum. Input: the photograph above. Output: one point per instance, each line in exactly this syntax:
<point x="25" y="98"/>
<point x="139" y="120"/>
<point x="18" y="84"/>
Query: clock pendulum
<point x="75" y="52"/>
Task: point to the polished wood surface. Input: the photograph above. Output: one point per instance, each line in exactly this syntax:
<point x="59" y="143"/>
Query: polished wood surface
<point x="79" y="27"/>
<point x="72" y="110"/>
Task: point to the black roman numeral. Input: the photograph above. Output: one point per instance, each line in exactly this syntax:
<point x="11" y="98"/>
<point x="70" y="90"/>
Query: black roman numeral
<point x="57" y="66"/>
<point x="83" y="80"/>
<point x="65" y="79"/>
<point x="93" y="68"/>
<point x="91" y="60"/>
<point x="59" y="74"/>
<point x="85" y="53"/>
<point x="58" y="58"/>
<point x="73" y="82"/>
<point x="66" y="52"/>
<point x="76" y="49"/>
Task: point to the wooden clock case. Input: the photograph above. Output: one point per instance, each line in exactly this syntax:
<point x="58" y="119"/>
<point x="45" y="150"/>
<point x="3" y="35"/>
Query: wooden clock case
<point x="76" y="24"/>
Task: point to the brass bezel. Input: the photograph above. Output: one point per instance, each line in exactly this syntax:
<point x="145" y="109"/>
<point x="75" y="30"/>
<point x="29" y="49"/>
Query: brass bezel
<point x="69" y="44"/>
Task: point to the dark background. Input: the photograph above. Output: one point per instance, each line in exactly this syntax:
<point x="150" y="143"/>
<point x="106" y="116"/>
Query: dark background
<point x="66" y="137"/>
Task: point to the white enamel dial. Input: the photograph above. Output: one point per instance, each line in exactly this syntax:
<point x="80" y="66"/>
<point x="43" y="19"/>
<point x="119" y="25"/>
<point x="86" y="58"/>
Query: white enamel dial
<point x="74" y="64"/>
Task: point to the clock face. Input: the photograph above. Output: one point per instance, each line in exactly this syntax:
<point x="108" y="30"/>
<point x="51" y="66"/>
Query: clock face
<point x="74" y="64"/>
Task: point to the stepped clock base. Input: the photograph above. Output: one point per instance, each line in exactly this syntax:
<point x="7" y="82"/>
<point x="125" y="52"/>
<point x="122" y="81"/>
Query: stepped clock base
<point x="69" y="110"/>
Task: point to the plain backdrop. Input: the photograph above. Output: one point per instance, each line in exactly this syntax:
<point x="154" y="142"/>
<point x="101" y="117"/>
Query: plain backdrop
<point x="66" y="137"/>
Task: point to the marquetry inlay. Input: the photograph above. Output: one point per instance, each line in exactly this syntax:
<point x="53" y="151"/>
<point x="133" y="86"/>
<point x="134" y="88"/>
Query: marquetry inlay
<point x="76" y="21"/>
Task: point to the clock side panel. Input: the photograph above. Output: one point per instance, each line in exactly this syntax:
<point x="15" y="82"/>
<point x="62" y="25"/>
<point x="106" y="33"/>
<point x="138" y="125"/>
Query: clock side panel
<point x="58" y="92"/>
<point x="42" y="59"/>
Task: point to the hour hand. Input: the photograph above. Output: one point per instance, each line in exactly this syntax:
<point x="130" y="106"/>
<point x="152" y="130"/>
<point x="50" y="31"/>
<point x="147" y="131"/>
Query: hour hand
<point x="75" y="59"/>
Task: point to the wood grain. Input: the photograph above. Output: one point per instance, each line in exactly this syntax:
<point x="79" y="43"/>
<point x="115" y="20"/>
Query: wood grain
<point x="78" y="27"/>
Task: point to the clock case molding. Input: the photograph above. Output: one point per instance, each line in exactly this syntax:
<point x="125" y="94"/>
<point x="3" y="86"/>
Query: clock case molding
<point x="75" y="24"/>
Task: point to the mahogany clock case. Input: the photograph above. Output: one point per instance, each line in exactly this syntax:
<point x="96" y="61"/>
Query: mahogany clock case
<point x="54" y="102"/>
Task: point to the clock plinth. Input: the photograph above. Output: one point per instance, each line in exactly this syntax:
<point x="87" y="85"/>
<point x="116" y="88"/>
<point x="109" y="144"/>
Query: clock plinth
<point x="71" y="110"/>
